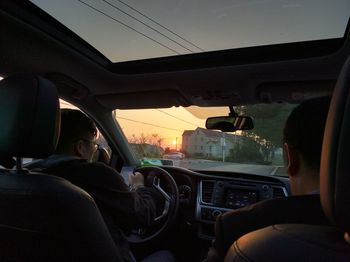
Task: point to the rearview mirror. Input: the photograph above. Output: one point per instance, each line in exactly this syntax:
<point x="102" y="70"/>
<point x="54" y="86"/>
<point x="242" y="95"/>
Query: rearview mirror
<point x="229" y="123"/>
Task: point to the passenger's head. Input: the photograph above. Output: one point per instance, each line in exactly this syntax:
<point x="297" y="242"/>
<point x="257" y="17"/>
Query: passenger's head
<point x="77" y="135"/>
<point x="303" y="135"/>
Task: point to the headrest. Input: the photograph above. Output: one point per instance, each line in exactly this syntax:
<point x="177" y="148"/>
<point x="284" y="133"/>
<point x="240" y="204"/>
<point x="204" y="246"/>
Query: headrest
<point x="29" y="116"/>
<point x="335" y="163"/>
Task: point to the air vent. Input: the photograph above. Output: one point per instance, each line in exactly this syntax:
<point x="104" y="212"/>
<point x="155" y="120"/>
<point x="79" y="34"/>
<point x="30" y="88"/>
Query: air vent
<point x="207" y="191"/>
<point x="242" y="183"/>
<point x="278" y="192"/>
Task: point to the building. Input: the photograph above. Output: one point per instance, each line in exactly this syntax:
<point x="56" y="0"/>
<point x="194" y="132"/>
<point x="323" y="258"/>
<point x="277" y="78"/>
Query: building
<point x="207" y="143"/>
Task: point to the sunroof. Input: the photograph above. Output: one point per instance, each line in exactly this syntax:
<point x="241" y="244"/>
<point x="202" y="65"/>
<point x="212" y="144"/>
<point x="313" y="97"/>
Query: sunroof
<point x="125" y="30"/>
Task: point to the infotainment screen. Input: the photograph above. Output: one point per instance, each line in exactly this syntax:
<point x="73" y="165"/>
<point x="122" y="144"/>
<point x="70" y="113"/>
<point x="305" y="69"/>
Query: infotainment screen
<point x="236" y="198"/>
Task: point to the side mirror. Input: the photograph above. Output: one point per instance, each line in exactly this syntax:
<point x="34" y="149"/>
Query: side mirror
<point x="229" y="123"/>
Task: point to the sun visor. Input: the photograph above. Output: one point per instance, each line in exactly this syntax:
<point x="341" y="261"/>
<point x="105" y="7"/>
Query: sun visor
<point x="204" y="112"/>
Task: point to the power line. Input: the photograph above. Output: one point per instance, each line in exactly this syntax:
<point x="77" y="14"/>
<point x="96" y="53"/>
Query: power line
<point x="126" y="13"/>
<point x="176" y="117"/>
<point x="140" y="122"/>
<point x="133" y="29"/>
<point x="132" y="8"/>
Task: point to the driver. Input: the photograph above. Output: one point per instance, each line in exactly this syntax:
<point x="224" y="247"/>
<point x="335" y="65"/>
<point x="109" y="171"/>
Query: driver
<point x="120" y="208"/>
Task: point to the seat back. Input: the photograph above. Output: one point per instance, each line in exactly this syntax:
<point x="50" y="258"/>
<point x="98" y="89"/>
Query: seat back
<point x="335" y="164"/>
<point x="43" y="217"/>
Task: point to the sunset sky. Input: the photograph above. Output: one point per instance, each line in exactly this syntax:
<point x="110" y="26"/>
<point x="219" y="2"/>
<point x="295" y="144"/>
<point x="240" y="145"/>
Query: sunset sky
<point x="169" y="123"/>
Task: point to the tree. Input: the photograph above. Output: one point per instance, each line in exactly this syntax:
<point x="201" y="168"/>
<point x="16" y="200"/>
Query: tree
<point x="269" y="120"/>
<point x="167" y="150"/>
<point x="247" y="152"/>
<point x="156" y="139"/>
<point x="146" y="145"/>
<point x="143" y="139"/>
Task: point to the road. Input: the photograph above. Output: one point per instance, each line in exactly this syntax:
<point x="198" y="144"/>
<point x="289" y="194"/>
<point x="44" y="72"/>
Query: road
<point x="202" y="164"/>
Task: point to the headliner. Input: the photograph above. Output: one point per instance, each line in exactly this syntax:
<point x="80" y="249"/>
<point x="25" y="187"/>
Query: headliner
<point x="36" y="43"/>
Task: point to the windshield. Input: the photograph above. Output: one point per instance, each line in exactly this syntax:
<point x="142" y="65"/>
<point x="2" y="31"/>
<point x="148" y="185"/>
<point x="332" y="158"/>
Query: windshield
<point x="177" y="136"/>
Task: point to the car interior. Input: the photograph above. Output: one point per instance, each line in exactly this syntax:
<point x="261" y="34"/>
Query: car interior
<point x="46" y="63"/>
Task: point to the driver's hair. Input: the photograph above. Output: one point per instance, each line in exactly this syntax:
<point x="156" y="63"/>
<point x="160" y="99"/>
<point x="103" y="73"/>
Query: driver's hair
<point x="304" y="129"/>
<point x="75" y="125"/>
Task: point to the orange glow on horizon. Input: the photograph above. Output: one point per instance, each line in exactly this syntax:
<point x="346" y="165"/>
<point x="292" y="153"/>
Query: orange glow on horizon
<point x="168" y="124"/>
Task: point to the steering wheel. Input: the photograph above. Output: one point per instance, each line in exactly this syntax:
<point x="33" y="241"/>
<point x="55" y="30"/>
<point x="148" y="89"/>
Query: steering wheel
<point x="170" y="193"/>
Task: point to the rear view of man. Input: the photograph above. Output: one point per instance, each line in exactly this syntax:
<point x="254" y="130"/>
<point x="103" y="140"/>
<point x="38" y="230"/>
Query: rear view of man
<point x="302" y="143"/>
<point x="120" y="208"/>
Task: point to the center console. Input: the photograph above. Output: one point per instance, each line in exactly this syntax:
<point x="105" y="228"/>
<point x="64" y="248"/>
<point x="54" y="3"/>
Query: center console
<point x="216" y="197"/>
<point x="223" y="196"/>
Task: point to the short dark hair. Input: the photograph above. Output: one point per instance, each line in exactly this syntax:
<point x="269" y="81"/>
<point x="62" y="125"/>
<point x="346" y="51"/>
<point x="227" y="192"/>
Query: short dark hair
<point x="304" y="129"/>
<point x="75" y="125"/>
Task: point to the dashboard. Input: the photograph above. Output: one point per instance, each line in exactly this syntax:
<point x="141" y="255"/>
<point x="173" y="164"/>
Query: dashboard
<point x="207" y="194"/>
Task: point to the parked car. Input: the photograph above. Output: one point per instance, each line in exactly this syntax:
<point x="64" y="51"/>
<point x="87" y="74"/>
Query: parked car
<point x="174" y="156"/>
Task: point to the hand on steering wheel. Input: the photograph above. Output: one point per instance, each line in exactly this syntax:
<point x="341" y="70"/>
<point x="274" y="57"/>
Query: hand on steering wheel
<point x="171" y="201"/>
<point x="136" y="180"/>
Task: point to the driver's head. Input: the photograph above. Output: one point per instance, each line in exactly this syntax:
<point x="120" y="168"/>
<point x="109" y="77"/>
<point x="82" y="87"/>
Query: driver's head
<point x="77" y="135"/>
<point x="303" y="135"/>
